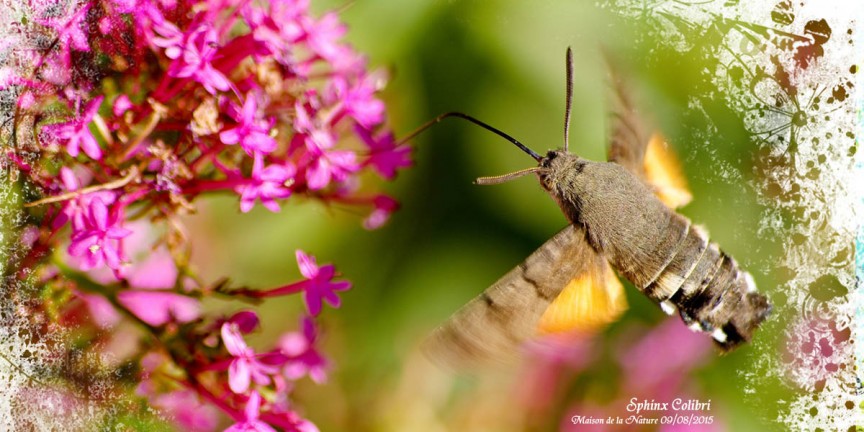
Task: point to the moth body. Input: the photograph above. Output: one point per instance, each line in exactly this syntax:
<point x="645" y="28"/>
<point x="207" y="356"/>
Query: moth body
<point x="616" y="221"/>
<point x="659" y="251"/>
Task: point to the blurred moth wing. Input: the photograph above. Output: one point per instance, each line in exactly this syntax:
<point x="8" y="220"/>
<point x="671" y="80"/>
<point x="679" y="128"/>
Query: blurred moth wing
<point x="565" y="284"/>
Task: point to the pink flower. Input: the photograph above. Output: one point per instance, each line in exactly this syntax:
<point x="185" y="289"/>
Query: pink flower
<point x="98" y="239"/>
<point x="319" y="286"/>
<point x="335" y="165"/>
<point x="303" y="357"/>
<point x="74" y="208"/>
<point x="157" y="307"/>
<point x="76" y="134"/>
<point x="170" y="37"/>
<point x="358" y="99"/>
<point x="266" y="185"/>
<point x="250" y="132"/>
<point x="323" y="36"/>
<point x="250" y="421"/>
<point x="384" y="207"/>
<point x="186" y="410"/>
<point x="246" y="321"/>
<point x="121" y="105"/>
<point x="245" y="366"/>
<point x="385" y="156"/>
<point x="69" y="32"/>
<point x="101" y="311"/>
<point x="661" y="359"/>
<point x="199" y="51"/>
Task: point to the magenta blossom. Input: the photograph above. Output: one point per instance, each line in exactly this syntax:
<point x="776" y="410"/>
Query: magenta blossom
<point x="76" y="134"/>
<point x="385" y="156"/>
<point x="74" y="209"/>
<point x="196" y="62"/>
<point x="358" y="99"/>
<point x="156" y="307"/>
<point x="319" y="285"/>
<point x="69" y="32"/>
<point x="323" y="36"/>
<point x="303" y="357"/>
<point x="250" y="421"/>
<point x="384" y="207"/>
<point x="334" y="165"/>
<point x="250" y="132"/>
<point x="187" y="409"/>
<point x="246" y="321"/>
<point x="266" y="185"/>
<point x="98" y="240"/>
<point x="245" y="366"/>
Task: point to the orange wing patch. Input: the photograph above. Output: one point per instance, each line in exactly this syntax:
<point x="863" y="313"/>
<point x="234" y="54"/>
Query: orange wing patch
<point x="588" y="303"/>
<point x="663" y="172"/>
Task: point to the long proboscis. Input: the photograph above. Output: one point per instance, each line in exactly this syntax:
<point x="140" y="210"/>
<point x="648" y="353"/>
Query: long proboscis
<point x="486" y="126"/>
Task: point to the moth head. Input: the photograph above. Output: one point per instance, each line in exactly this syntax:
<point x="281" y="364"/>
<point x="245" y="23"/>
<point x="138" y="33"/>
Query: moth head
<point x="559" y="168"/>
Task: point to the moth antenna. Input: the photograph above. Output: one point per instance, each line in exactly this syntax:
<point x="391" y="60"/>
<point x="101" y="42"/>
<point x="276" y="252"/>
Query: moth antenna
<point x="493" y="180"/>
<point x="435" y="120"/>
<point x="569" y="103"/>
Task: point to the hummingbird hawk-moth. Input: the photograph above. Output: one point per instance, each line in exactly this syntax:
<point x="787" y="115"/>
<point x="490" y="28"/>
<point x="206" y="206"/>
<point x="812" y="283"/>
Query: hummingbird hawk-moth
<point x="617" y="219"/>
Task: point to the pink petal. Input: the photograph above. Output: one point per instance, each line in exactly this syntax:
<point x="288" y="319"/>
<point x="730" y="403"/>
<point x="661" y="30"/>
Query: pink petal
<point x="252" y="406"/>
<point x="230" y="136"/>
<point x="238" y="376"/>
<point x="234" y="343"/>
<point x="81" y="244"/>
<point x="313" y="302"/>
<point x="246" y="321"/>
<point x="70" y="181"/>
<point x="157" y="271"/>
<point x="99" y="214"/>
<point x="112" y="257"/>
<point x="158" y="308"/>
<point x="90" y="146"/>
<point x="308" y="267"/>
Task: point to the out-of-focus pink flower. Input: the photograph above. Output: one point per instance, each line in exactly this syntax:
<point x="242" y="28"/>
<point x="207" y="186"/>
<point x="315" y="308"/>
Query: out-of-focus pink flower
<point x="57" y="68"/>
<point x="159" y="307"/>
<point x="250" y="132"/>
<point x="358" y="99"/>
<point x="323" y="36"/>
<point x="121" y="105"/>
<point x="186" y="409"/>
<point x="245" y="366"/>
<point x="329" y="166"/>
<point x="69" y="32"/>
<point x="250" y="421"/>
<point x="663" y="356"/>
<point x="170" y="37"/>
<point x="319" y="285"/>
<point x="101" y="311"/>
<point x="199" y="51"/>
<point x="384" y="155"/>
<point x="74" y="209"/>
<point x="154" y="271"/>
<point x="76" y="134"/>
<point x="384" y="207"/>
<point x="303" y="358"/>
<point x="246" y="321"/>
<point x="97" y="240"/>
<point x="266" y="185"/>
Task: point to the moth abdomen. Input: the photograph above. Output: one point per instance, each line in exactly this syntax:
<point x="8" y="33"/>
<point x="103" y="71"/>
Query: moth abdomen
<point x="724" y="302"/>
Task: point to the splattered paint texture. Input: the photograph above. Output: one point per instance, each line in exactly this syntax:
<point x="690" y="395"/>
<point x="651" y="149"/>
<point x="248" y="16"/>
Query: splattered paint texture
<point x="791" y="72"/>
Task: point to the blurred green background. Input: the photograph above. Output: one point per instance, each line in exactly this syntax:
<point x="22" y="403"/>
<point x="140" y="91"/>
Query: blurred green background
<point x="503" y="62"/>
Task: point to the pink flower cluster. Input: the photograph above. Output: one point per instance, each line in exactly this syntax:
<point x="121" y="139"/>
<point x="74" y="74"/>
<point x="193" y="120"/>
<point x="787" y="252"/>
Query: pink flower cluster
<point x="140" y="106"/>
